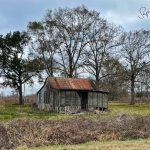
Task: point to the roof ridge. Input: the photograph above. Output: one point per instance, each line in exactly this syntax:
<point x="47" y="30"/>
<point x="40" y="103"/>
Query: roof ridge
<point x="70" y="78"/>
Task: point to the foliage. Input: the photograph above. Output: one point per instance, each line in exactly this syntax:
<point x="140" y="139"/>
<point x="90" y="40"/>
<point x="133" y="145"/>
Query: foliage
<point x="16" y="68"/>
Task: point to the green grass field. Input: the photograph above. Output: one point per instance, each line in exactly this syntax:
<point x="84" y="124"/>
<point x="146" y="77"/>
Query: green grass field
<point x="9" y="112"/>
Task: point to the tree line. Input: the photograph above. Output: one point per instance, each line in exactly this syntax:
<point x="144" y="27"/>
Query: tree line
<point x="77" y="42"/>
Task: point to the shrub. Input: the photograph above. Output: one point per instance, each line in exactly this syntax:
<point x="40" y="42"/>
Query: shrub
<point x="33" y="132"/>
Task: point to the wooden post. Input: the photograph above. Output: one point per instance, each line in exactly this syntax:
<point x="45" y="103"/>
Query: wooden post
<point x="59" y="101"/>
<point x="102" y="102"/>
<point x="107" y="101"/>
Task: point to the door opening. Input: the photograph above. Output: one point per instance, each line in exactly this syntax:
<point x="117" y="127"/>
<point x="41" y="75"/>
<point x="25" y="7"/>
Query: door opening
<point x="84" y="100"/>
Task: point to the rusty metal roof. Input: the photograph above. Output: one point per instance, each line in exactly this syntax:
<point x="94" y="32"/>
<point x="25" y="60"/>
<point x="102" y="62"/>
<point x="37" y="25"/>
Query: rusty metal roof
<point x="61" y="83"/>
<point x="71" y="83"/>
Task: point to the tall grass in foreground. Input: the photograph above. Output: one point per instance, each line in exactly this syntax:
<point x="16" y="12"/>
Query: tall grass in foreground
<point x="35" y="133"/>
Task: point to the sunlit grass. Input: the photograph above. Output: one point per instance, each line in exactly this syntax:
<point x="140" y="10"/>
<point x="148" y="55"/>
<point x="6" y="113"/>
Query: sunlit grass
<point x="142" y="109"/>
<point x="141" y="144"/>
<point x="9" y="112"/>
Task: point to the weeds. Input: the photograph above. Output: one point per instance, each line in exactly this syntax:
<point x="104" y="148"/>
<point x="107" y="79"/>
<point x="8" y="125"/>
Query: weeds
<point x="33" y="132"/>
<point x="36" y="128"/>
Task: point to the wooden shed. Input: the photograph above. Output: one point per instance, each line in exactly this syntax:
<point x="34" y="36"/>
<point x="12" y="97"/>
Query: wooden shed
<point x="71" y="95"/>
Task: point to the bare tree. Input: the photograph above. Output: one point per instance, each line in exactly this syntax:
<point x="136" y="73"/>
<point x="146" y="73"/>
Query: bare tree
<point x="135" y="55"/>
<point x="103" y="38"/>
<point x="114" y="78"/>
<point x="44" y="44"/>
<point x="144" y="80"/>
<point x="72" y="27"/>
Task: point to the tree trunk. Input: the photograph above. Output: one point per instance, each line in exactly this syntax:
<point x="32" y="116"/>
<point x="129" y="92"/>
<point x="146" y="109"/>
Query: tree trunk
<point x="51" y="69"/>
<point x="132" y="102"/>
<point x="141" y="91"/>
<point x="97" y="83"/>
<point x="70" y="75"/>
<point x="21" y="102"/>
<point x="97" y="79"/>
<point x="147" y="91"/>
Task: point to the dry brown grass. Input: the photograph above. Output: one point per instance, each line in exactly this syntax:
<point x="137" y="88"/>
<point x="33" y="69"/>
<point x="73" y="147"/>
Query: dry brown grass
<point x="13" y="99"/>
<point x="144" y="100"/>
<point x="8" y="100"/>
<point x="33" y="132"/>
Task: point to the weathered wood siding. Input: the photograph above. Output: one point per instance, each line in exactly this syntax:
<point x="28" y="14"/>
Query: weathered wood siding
<point x="105" y="100"/>
<point x="69" y="101"/>
<point x="97" y="99"/>
<point x="48" y="99"/>
<point x="40" y="101"/>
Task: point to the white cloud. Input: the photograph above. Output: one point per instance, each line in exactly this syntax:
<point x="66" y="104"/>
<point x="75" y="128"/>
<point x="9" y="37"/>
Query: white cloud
<point x="120" y="19"/>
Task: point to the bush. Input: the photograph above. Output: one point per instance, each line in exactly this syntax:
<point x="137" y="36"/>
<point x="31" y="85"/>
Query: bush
<point x="33" y="132"/>
<point x="4" y="140"/>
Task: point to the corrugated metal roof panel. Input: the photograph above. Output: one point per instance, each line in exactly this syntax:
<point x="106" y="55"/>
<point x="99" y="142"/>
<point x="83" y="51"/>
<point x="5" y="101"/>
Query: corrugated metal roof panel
<point x="71" y="83"/>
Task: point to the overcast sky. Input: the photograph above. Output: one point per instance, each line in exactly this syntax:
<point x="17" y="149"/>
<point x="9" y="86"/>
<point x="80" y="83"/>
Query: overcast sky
<point x="15" y="14"/>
